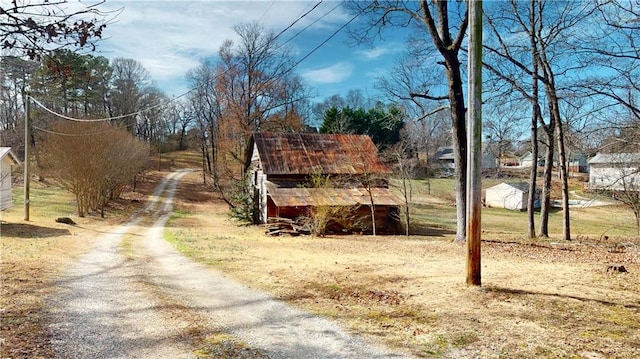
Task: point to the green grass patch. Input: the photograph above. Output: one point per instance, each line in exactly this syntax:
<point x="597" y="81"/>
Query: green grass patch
<point x="439" y="215"/>
<point x="44" y="201"/>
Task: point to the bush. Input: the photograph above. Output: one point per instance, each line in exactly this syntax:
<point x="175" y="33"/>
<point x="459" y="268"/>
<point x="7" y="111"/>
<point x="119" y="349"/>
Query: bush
<point x="94" y="161"/>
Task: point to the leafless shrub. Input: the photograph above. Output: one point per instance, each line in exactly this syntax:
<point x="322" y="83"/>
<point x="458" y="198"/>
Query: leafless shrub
<point x="321" y="219"/>
<point x="94" y="161"/>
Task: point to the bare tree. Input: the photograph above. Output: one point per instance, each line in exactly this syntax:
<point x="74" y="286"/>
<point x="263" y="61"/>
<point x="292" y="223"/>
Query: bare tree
<point x="444" y="28"/>
<point x="180" y="118"/>
<point x="548" y="25"/>
<point x="130" y="80"/>
<point x="254" y="90"/>
<point x="405" y="166"/>
<point x="629" y="167"/>
<point x="503" y="126"/>
<point x="15" y="77"/>
<point x="613" y="46"/>
<point x="206" y="106"/>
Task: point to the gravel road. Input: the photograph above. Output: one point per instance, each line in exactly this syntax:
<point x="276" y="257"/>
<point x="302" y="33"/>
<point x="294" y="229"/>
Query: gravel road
<point x="149" y="301"/>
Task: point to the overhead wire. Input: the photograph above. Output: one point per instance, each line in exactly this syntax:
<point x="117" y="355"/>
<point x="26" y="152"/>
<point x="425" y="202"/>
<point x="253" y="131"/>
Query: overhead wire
<point x="308" y="26"/>
<point x="267" y="10"/>
<point x="326" y="40"/>
<point x="69" y="118"/>
<point x="106" y="118"/>
<point x="296" y="21"/>
<point x="114" y="129"/>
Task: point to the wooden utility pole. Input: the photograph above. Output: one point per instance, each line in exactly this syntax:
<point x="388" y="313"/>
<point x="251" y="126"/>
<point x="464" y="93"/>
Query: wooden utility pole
<point x="27" y="143"/>
<point x="474" y="144"/>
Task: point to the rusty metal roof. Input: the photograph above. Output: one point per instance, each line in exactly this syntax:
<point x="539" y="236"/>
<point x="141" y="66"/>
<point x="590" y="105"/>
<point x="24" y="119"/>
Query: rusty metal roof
<point x="303" y="197"/>
<point x="310" y="153"/>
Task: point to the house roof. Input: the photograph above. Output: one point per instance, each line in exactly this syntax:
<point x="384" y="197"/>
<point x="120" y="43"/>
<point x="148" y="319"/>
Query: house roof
<point x="306" y="197"/>
<point x="309" y="153"/>
<point x="521" y="186"/>
<point x="444" y="153"/>
<point x="605" y="158"/>
<point x="527" y="156"/>
<point x="6" y="151"/>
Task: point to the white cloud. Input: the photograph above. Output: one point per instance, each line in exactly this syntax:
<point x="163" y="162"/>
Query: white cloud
<point x="331" y="74"/>
<point x="170" y="37"/>
<point x="379" y="51"/>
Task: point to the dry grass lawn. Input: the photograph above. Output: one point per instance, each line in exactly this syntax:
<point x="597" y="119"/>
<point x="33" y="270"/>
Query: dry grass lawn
<point x="538" y="299"/>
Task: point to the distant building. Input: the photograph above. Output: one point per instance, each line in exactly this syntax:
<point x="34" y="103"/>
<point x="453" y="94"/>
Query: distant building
<point x="616" y="171"/>
<point x="578" y="163"/>
<point x="489" y="160"/>
<point x="7" y="160"/>
<point x="445" y="161"/>
<point x="509" y="160"/>
<point x="512" y="196"/>
<point x="526" y="160"/>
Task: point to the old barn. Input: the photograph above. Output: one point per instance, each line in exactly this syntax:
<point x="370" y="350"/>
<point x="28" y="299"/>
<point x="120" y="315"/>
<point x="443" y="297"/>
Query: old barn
<point x="282" y="165"/>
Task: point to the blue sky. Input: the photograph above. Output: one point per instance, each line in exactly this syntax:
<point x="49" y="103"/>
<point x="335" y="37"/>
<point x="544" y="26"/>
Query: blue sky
<point x="170" y="37"/>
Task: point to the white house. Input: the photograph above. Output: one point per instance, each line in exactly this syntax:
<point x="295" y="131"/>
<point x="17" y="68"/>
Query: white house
<point x="7" y="159"/>
<point x="526" y="160"/>
<point x="617" y="171"/>
<point x="512" y="196"/>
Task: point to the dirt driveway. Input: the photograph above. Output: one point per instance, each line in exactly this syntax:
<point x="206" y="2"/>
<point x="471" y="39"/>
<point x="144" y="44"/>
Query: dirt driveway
<point x="133" y="296"/>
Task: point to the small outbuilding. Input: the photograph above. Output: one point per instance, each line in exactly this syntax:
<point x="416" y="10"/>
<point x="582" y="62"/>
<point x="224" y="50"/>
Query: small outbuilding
<point x="7" y="160"/>
<point x="282" y="164"/>
<point x="512" y="196"/>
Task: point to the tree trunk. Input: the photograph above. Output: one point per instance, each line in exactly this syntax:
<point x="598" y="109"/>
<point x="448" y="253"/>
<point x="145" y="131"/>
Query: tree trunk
<point x="212" y="161"/>
<point x="562" y="168"/>
<point x="535" y="106"/>
<point x="204" y="163"/>
<point x="373" y="208"/>
<point x="459" y="137"/>
<point x="533" y="179"/>
<point x="545" y="200"/>
<point x="406" y="204"/>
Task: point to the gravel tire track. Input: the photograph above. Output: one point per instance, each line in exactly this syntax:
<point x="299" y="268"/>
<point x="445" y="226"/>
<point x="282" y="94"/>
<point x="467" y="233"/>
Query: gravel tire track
<point x="103" y="311"/>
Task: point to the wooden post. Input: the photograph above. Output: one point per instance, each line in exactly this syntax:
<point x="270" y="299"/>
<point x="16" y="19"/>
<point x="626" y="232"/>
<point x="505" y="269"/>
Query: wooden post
<point x="27" y="143"/>
<point x="474" y="144"/>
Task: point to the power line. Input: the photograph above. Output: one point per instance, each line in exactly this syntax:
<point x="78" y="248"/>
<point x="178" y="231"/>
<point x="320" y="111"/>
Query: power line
<point x="308" y="26"/>
<point x="266" y="11"/>
<point x="325" y="41"/>
<point x="106" y="119"/>
<point x="296" y="21"/>
<point x="114" y="129"/>
<point x="218" y="75"/>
